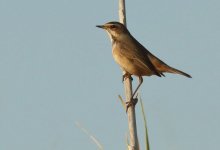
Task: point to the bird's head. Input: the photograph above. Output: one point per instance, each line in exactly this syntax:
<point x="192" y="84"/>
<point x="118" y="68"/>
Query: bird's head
<point x="115" y="30"/>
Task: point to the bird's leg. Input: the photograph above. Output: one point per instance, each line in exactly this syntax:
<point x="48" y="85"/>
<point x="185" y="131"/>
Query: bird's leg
<point x="126" y="75"/>
<point x="133" y="101"/>
<point x="140" y="82"/>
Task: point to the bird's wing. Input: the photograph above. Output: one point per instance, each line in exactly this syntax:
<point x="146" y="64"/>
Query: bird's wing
<point x="140" y="54"/>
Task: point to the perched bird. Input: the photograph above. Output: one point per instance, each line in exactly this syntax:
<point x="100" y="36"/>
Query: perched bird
<point x="134" y="58"/>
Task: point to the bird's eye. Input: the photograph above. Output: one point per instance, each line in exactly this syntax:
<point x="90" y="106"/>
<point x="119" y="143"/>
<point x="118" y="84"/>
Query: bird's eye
<point x="113" y="26"/>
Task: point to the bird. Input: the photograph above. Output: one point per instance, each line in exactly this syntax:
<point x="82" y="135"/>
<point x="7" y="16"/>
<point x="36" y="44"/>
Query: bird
<point x="133" y="57"/>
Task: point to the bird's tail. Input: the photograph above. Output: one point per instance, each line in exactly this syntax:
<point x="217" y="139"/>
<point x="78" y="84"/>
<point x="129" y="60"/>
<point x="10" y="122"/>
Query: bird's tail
<point x="173" y="70"/>
<point x="163" y="67"/>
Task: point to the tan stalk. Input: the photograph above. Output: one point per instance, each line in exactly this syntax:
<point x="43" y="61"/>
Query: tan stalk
<point x="133" y="145"/>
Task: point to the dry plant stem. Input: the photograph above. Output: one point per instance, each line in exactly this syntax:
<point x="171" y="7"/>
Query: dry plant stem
<point x="131" y="116"/>
<point x="93" y="138"/>
<point x="122" y="12"/>
<point x="128" y="91"/>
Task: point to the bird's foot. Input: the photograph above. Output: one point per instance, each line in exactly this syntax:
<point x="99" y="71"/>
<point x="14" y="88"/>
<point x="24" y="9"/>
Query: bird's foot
<point x="126" y="75"/>
<point x="132" y="102"/>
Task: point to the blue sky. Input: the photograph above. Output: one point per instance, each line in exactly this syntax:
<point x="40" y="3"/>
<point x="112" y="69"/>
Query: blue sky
<point x="57" y="68"/>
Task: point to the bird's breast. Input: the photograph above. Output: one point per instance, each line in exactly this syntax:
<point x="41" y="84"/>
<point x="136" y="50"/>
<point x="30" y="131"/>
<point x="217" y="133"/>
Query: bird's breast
<point x="128" y="64"/>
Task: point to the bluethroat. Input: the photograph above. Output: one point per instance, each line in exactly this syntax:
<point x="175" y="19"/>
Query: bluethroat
<point x="133" y="57"/>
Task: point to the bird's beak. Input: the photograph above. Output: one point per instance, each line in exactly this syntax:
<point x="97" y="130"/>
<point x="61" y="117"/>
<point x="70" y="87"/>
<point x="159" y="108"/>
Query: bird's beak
<point x="101" y="26"/>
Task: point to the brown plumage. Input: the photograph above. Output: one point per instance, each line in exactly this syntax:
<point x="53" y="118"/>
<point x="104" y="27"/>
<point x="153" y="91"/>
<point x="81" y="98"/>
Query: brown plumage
<point x="134" y="58"/>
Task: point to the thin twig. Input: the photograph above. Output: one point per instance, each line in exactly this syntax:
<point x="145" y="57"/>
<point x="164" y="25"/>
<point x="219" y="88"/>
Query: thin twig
<point x="145" y="126"/>
<point x="122" y="102"/>
<point x="93" y="138"/>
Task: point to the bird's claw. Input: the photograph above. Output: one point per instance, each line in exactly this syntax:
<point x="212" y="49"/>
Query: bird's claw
<point x="132" y="102"/>
<point x="126" y="76"/>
